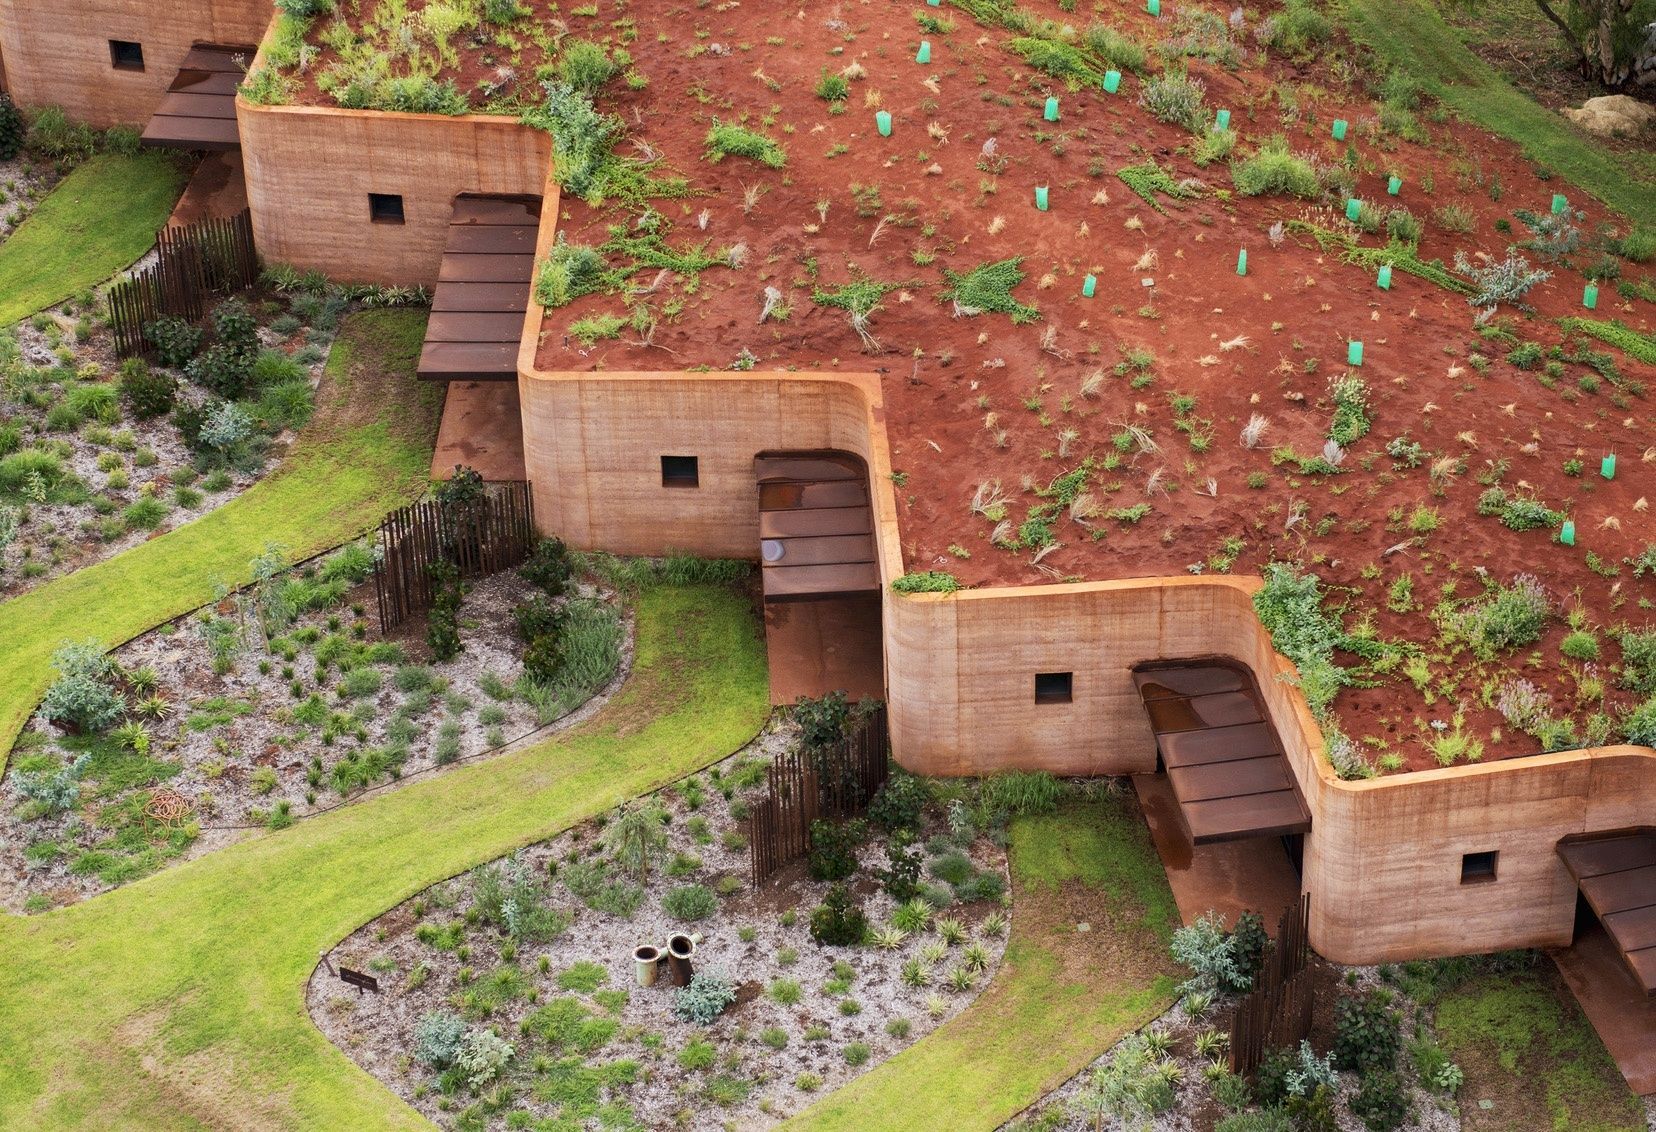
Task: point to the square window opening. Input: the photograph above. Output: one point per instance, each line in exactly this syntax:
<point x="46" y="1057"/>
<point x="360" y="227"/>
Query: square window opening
<point x="126" y="55"/>
<point x="680" y="471"/>
<point x="385" y="208"/>
<point x="1054" y="687"/>
<point x="1478" y="868"/>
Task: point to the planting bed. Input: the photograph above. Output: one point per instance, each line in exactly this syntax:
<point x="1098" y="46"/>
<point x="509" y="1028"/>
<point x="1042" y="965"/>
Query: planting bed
<point x="588" y="1043"/>
<point x="1076" y="438"/>
<point x="225" y="731"/>
<point x="24" y="182"/>
<point x="114" y="474"/>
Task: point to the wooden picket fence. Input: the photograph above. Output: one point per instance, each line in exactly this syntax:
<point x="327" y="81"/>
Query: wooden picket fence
<point x="834" y="785"/>
<point x="215" y="256"/>
<point x="496" y="533"/>
<point x="1277" y="1013"/>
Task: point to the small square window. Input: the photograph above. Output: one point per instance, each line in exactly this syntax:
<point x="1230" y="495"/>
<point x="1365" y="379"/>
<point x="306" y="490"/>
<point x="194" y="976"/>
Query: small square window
<point x="385" y="208"/>
<point x="1478" y="868"/>
<point x="1054" y="687"/>
<point x="125" y="55"/>
<point x="679" y="471"/>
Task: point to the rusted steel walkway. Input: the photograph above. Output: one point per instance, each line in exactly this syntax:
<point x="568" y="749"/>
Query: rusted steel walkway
<point x="816" y="528"/>
<point x="199" y="108"/>
<point x="482" y="290"/>
<point x="1223" y="758"/>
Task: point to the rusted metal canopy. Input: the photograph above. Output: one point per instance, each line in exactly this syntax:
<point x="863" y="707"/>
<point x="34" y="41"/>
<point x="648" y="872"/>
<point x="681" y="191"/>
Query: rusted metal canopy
<point x="1223" y="759"/>
<point x="483" y="290"/>
<point x="199" y="109"/>
<point x="1617" y="875"/>
<point x="816" y="527"/>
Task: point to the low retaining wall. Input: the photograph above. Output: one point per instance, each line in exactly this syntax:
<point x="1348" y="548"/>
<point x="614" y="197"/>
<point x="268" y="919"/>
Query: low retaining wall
<point x="57" y="54"/>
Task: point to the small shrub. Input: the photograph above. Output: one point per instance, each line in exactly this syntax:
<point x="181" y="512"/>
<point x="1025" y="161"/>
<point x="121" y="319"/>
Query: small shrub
<point x="1175" y="97"/>
<point x="1381" y="1101"/>
<point x="148" y="392"/>
<point x="1366" y="1035"/>
<point x="482" y="1057"/>
<point x="437" y="1038"/>
<point x="834" y="848"/>
<point x="838" y="921"/>
<point x="898" y="804"/>
<point x="698" y="1053"/>
<point x="725" y="140"/>
<point x="175" y="340"/>
<point x="704" y="999"/>
<point x="1273" y="169"/>
<point x="82" y="697"/>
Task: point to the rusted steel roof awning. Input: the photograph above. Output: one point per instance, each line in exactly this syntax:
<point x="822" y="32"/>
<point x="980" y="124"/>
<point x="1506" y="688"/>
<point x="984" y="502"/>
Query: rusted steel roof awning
<point x="199" y="109"/>
<point x="1617" y="875"/>
<point x="482" y="290"/>
<point x="816" y="528"/>
<point x="1223" y="758"/>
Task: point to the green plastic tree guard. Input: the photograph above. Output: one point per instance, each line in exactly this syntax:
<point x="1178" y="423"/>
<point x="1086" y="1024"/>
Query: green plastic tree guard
<point x="1089" y="285"/>
<point x="1607" y="467"/>
<point x="882" y="119"/>
<point x="1354" y="353"/>
<point x="1385" y="277"/>
<point x="1221" y="120"/>
<point x="1340" y="127"/>
<point x="1589" y="297"/>
<point x="1560" y="203"/>
<point x="1354" y="209"/>
<point x="1153" y="7"/>
<point x="1566" y="533"/>
<point x="1112" y="81"/>
<point x="1051" y="111"/>
<point x="924" y="54"/>
<point x="1041" y="197"/>
<point x="1242" y="262"/>
<point x="935" y="3"/>
<point x="1394" y="185"/>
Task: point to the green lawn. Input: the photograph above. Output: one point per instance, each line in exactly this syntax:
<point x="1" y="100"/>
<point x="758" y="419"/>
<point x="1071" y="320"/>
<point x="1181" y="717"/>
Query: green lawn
<point x="1061" y="997"/>
<point x="178" y="1001"/>
<point x="1529" y="1052"/>
<point x="99" y="219"/>
<point x="367" y="450"/>
<point x="1412" y="35"/>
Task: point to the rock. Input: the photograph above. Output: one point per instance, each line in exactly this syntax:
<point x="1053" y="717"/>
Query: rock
<point x="1614" y="115"/>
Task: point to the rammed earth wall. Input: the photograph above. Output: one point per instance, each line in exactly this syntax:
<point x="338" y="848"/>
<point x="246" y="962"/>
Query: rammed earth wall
<point x="1383" y="859"/>
<point x="57" y="53"/>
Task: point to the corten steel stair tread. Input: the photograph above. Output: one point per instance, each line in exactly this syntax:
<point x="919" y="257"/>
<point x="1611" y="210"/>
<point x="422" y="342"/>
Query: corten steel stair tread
<point x="828" y="550"/>
<point x="791" y="496"/>
<point x="1643" y="965"/>
<point x="474" y="267"/>
<point x="1255" y="815"/>
<point x="806" y="469"/>
<point x="1204" y="680"/>
<point x="199" y="109"/>
<point x="1218" y="745"/>
<point x="1222" y="709"/>
<point x="487" y="210"/>
<point x="492" y="298"/>
<point x="813" y="522"/>
<point x="1613" y="853"/>
<point x="798" y="583"/>
<point x="1621" y="892"/>
<point x="1225" y="764"/>
<point x="183" y="104"/>
<point x="1634" y="929"/>
<point x="469" y="361"/>
<point x="491" y="239"/>
<point x="1234" y="779"/>
<point x="475" y="326"/>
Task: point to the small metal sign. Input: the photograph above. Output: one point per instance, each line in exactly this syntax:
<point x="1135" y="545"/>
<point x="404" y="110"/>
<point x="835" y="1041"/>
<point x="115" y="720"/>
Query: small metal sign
<point x="358" y="980"/>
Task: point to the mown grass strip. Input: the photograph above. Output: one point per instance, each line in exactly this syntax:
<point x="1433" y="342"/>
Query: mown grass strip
<point x="367" y="450"/>
<point x="178" y="1001"/>
<point x="1061" y="997"/>
<point x="1413" y="36"/>
<point x="100" y="218"/>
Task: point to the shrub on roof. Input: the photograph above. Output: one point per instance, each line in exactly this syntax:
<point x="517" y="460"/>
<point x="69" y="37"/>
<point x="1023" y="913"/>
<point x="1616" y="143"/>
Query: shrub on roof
<point x="1122" y="52"/>
<point x="1272" y="169"/>
<point x="1175" y="97"/>
<point x="725" y="140"/>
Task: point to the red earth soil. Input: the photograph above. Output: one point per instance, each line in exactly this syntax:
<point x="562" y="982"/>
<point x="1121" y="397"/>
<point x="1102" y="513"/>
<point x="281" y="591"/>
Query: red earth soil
<point x="977" y="400"/>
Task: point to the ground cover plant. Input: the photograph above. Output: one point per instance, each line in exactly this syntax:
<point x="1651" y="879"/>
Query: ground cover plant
<point x="366" y="449"/>
<point x="1044" y="434"/>
<point x="537" y="948"/>
<point x="276" y="703"/>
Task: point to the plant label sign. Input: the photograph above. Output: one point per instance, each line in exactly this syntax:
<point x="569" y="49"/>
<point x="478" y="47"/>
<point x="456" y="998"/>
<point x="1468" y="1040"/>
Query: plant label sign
<point x="359" y="980"/>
